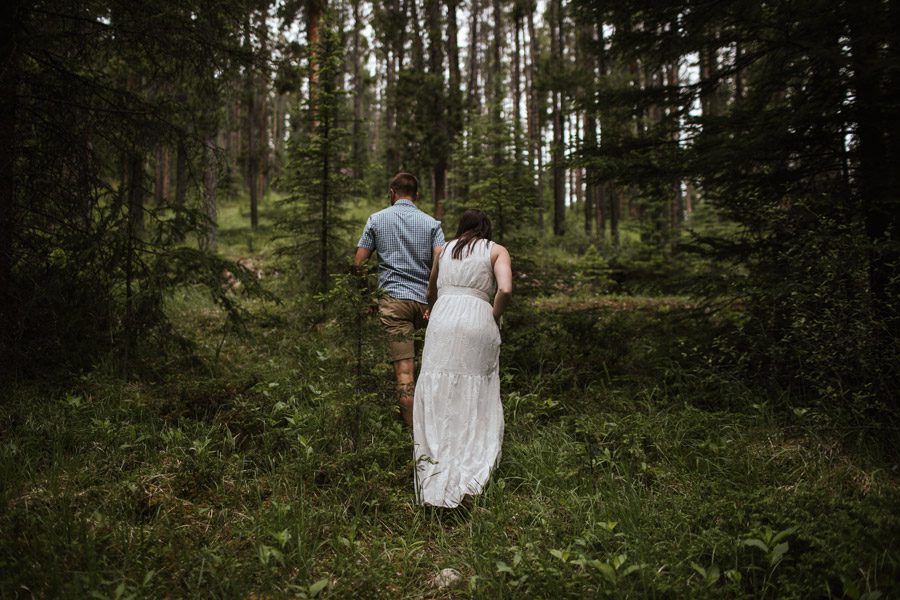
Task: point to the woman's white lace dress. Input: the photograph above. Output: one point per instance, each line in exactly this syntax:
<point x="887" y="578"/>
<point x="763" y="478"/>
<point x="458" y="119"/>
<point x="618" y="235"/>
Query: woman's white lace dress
<point x="457" y="415"/>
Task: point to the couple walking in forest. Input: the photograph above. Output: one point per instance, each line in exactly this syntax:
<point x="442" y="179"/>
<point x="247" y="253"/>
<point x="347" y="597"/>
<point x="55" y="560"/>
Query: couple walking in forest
<point x="454" y="407"/>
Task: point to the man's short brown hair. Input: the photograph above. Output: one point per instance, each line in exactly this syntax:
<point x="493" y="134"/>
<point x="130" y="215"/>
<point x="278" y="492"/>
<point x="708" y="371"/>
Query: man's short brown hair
<point x="405" y="184"/>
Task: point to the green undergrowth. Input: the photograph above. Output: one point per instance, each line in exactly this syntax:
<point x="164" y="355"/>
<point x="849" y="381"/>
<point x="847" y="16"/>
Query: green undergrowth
<point x="274" y="465"/>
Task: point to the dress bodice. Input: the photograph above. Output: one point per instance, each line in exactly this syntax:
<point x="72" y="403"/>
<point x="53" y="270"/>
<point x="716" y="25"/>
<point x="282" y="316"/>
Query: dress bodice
<point x="473" y="271"/>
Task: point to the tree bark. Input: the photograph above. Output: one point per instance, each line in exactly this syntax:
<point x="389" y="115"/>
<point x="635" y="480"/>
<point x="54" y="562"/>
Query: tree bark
<point x="472" y="101"/>
<point x="437" y="118"/>
<point x="877" y="186"/>
<point x="556" y="155"/>
<point x="208" y="241"/>
<point x="676" y="216"/>
<point x="136" y="193"/>
<point x="326" y="180"/>
<point x="159" y="195"/>
<point x="262" y="116"/>
<point x="181" y="174"/>
<point x="252" y="166"/>
<point x="593" y="208"/>
<point x="517" y="85"/>
<point x="358" y="150"/>
<point x="454" y="91"/>
<point x="535" y="145"/>
<point x="9" y="82"/>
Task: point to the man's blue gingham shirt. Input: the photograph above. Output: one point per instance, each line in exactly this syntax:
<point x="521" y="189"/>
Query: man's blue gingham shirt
<point x="404" y="238"/>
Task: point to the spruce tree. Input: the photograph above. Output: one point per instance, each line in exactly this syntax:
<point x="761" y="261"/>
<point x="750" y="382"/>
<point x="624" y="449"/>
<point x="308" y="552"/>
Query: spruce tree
<point x="320" y="162"/>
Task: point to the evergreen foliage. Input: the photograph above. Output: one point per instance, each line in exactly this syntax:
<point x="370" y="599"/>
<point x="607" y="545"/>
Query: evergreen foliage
<point x="91" y="90"/>
<point x="320" y="181"/>
<point x="779" y="148"/>
<point x="495" y="182"/>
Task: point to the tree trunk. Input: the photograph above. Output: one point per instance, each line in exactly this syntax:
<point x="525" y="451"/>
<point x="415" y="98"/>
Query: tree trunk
<point x="591" y="187"/>
<point x="262" y="176"/>
<point x="181" y="174"/>
<point x="517" y="86"/>
<point x="709" y="80"/>
<point x="454" y="91"/>
<point x="494" y="88"/>
<point x="454" y="106"/>
<point x="252" y="166"/>
<point x="313" y="16"/>
<point x="875" y="175"/>
<point x="262" y="116"/>
<point x="593" y="208"/>
<point x="392" y="155"/>
<point x="326" y="180"/>
<point x="473" y="95"/>
<point x="136" y="193"/>
<point x="556" y="153"/>
<point x="358" y="150"/>
<point x="676" y="216"/>
<point x="615" y="211"/>
<point x="10" y="26"/>
<point x="208" y="241"/>
<point x="437" y="118"/>
<point x="159" y="195"/>
<point x="535" y="126"/>
<point x="600" y="209"/>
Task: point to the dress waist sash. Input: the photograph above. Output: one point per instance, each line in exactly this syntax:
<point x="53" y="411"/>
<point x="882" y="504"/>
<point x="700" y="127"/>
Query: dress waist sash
<point x="458" y="290"/>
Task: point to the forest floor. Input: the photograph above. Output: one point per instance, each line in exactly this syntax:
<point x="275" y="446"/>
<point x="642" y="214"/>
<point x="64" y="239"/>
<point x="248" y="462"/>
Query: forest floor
<point x="274" y="465"/>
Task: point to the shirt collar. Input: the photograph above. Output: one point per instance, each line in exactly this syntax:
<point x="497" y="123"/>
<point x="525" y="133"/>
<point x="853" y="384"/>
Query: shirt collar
<point x="404" y="202"/>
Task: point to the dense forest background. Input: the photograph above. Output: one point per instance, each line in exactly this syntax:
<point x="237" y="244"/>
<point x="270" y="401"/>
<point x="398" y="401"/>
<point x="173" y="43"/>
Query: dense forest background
<point x="701" y="202"/>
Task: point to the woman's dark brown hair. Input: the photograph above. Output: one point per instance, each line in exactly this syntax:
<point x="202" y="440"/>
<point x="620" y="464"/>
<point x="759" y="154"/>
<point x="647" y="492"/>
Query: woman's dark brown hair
<point x="474" y="225"/>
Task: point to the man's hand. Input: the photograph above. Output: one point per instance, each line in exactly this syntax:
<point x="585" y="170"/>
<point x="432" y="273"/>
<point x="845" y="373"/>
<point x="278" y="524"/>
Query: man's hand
<point x="427" y="314"/>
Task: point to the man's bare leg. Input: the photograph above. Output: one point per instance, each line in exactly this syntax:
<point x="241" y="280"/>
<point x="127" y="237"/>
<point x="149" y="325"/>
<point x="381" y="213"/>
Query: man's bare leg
<point x="406" y="387"/>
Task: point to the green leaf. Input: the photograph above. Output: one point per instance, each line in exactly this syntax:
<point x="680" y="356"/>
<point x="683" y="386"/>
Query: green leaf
<point x="630" y="569"/>
<point x="783" y="534"/>
<point x="316" y="588"/>
<point x="609" y="525"/>
<point x="502" y="567"/>
<point x="605" y="569"/>
<point x="562" y="555"/>
<point x="282" y="537"/>
<point x="733" y="575"/>
<point x="778" y="553"/>
<point x="756" y="543"/>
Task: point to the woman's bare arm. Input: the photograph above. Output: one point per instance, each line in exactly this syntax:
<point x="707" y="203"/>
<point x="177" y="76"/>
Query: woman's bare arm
<point x="503" y="273"/>
<point x="432" y="280"/>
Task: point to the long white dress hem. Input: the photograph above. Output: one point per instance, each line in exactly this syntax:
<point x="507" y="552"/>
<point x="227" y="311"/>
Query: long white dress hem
<point x="457" y="414"/>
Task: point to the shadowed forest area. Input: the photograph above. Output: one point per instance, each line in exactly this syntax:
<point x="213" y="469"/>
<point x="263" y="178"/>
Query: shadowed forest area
<point x="699" y="363"/>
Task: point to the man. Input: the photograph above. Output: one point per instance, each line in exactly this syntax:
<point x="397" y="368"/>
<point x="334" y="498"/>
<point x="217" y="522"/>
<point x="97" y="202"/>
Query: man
<point x="405" y="239"/>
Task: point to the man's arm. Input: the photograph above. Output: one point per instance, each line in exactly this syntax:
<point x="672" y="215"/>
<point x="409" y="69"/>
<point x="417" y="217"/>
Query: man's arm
<point x="362" y="255"/>
<point x="365" y="245"/>
<point x="432" y="280"/>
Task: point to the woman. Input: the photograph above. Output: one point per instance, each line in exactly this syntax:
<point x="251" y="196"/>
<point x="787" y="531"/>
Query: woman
<point x="457" y="415"/>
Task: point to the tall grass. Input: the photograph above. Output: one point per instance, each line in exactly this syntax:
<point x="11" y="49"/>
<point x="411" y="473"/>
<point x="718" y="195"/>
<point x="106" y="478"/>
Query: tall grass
<point x="277" y="470"/>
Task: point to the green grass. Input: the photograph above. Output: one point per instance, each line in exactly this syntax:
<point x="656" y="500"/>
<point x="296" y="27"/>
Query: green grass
<point x="279" y="471"/>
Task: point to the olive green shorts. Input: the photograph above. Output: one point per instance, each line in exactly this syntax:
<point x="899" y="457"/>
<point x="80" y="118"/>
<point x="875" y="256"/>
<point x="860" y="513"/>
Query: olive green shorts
<point x="401" y="319"/>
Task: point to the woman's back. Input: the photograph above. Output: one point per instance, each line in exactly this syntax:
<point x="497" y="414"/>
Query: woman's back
<point x="472" y="270"/>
